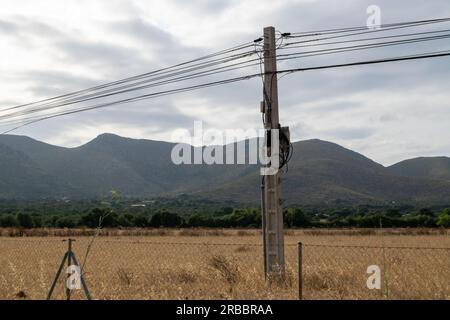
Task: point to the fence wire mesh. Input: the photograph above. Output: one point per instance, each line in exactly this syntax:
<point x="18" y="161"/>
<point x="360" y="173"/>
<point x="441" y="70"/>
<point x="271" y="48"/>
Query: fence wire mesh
<point x="340" y="272"/>
<point x="138" y="268"/>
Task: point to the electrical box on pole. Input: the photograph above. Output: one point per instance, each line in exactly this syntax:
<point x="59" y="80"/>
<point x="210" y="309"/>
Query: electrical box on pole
<point x="271" y="196"/>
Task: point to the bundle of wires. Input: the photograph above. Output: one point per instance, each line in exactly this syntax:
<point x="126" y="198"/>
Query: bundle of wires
<point x="338" y="42"/>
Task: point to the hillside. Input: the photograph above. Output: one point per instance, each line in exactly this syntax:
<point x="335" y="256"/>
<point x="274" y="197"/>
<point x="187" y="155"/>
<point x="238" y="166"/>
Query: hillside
<point x="320" y="172"/>
<point x="424" y="167"/>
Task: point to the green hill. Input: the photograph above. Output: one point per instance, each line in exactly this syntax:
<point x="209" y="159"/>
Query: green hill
<point x="320" y="172"/>
<point x="430" y="167"/>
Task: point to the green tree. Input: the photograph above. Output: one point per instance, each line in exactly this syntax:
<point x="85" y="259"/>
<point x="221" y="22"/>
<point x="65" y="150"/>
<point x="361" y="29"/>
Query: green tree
<point x="199" y="220"/>
<point x="97" y="217"/>
<point x="419" y="221"/>
<point x="225" y="211"/>
<point x="37" y="221"/>
<point x="296" y="218"/>
<point x="8" y="221"/>
<point x="25" y="220"/>
<point x="165" y="218"/>
<point x="141" y="221"/>
<point x="425" y="212"/>
<point x="393" y="212"/>
<point x="248" y="217"/>
<point x="444" y="219"/>
<point x="126" y="220"/>
<point x="66" y="222"/>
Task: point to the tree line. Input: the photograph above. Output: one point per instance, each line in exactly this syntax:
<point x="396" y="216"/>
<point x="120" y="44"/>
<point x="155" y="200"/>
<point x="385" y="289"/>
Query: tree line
<point x="226" y="217"/>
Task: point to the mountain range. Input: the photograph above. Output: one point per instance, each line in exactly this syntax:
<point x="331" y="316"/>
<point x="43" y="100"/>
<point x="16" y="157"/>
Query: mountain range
<point x="319" y="172"/>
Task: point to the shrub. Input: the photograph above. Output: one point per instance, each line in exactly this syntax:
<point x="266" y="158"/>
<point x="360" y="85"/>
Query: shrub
<point x="25" y="220"/>
<point x="8" y="221"/>
<point x="296" y="218"/>
<point x="66" y="222"/>
<point x="98" y="216"/>
<point x="444" y="219"/>
<point x="165" y="218"/>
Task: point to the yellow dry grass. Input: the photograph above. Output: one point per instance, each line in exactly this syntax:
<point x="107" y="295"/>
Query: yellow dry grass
<point x="227" y="264"/>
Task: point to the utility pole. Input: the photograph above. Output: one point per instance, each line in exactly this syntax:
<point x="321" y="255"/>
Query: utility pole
<point x="271" y="195"/>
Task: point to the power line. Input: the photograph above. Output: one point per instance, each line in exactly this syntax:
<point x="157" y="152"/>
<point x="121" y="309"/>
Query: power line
<point x="138" y="98"/>
<point x="297" y="55"/>
<point x="359" y="63"/>
<point x="359" y="28"/>
<point x="137" y="77"/>
<point x="289" y="47"/>
<point x="364" y="32"/>
<point x="156" y="76"/>
<point x="234" y="49"/>
<point x="231" y="80"/>
<point x="220" y="62"/>
<point x="187" y="67"/>
<point x="130" y="88"/>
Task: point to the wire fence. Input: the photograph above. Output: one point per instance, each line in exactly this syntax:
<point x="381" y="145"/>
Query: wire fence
<point x="135" y="268"/>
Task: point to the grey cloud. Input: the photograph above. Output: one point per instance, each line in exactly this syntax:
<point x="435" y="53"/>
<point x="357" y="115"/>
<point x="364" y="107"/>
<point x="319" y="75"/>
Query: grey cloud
<point x="336" y="106"/>
<point x="8" y="103"/>
<point x="315" y="94"/>
<point x="346" y="133"/>
<point x="8" y="27"/>
<point x="142" y="31"/>
<point x="26" y="30"/>
<point x="332" y="85"/>
<point x="207" y="6"/>
<point x="51" y="83"/>
<point x="389" y="118"/>
<point x="146" y="117"/>
<point x="41" y="29"/>
<point x="326" y="14"/>
<point x="161" y="43"/>
<point x="98" y="54"/>
<point x="146" y="113"/>
<point x="74" y="49"/>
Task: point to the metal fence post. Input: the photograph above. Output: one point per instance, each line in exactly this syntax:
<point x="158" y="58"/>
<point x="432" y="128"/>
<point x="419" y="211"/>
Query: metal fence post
<point x="300" y="270"/>
<point x="69" y="263"/>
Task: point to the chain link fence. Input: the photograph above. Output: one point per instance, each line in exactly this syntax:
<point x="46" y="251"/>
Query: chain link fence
<point x="341" y="272"/>
<point x="139" y="268"/>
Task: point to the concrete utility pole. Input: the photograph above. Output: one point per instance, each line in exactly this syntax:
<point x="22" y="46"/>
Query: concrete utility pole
<point x="271" y="197"/>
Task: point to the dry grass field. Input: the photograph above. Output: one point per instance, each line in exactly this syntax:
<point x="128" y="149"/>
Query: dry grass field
<point x="227" y="264"/>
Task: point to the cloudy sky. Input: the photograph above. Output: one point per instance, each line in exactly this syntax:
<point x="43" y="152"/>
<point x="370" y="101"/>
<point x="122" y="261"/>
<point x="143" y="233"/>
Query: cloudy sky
<point x="387" y="112"/>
